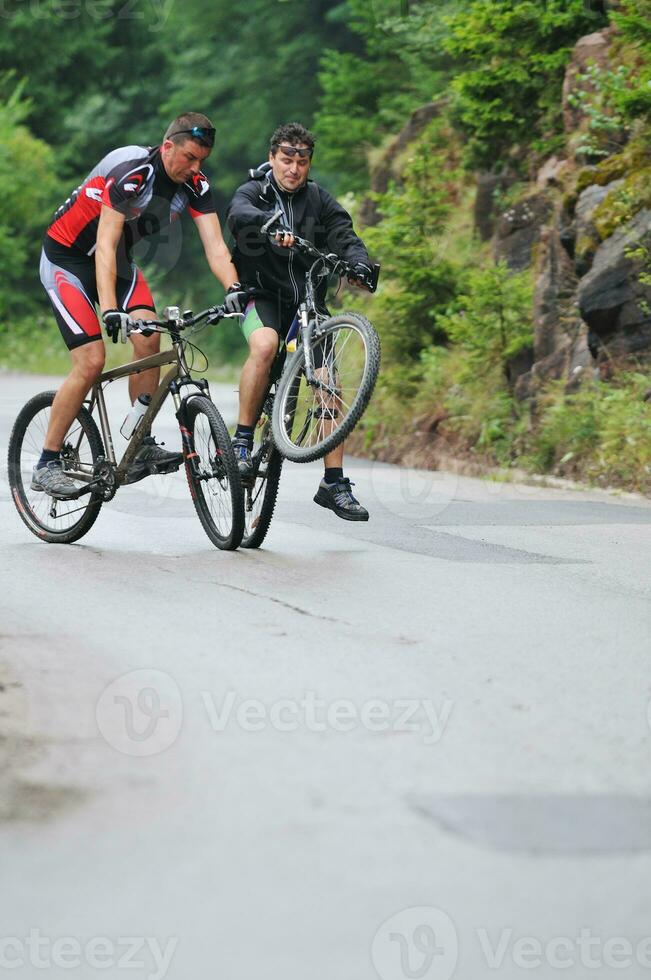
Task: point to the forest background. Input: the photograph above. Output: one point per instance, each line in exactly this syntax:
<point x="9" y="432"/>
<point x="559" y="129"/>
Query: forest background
<point x="413" y="105"/>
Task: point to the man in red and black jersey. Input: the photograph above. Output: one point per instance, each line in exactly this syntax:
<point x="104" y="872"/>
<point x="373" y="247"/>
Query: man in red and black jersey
<point x="87" y="261"/>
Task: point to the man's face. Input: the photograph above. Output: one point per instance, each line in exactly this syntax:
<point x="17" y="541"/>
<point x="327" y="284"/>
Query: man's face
<point x="183" y="160"/>
<point x="290" y="172"/>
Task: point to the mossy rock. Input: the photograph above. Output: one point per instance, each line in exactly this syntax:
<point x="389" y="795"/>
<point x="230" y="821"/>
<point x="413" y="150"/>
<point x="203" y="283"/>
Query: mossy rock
<point x="568" y="202"/>
<point x="584" y="250"/>
<point x="623" y="203"/>
<point x="636" y="156"/>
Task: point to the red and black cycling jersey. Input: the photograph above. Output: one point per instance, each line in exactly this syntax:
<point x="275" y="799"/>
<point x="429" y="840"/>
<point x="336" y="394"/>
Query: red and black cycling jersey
<point x="133" y="181"/>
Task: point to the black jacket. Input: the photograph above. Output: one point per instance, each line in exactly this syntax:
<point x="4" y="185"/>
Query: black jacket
<point x="311" y="212"/>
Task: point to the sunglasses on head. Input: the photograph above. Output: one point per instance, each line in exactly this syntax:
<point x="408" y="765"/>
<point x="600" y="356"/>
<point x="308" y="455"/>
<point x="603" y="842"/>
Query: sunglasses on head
<point x="292" y="151"/>
<point x="206" y="134"/>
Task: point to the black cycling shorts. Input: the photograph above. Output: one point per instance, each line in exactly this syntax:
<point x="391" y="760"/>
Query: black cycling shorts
<point x="265" y="311"/>
<point x="68" y="277"/>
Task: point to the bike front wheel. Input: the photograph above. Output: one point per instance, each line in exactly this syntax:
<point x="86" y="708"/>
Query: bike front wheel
<point x="213" y="477"/>
<point x="53" y="520"/>
<point x="311" y="419"/>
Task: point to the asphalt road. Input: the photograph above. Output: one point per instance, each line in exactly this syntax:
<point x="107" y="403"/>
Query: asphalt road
<point x="415" y="748"/>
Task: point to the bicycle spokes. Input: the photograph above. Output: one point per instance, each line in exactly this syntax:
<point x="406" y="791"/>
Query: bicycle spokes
<point x="339" y="359"/>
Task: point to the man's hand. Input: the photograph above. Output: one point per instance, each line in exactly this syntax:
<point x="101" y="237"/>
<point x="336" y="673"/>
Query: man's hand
<point x="236" y="299"/>
<point x="362" y="275"/>
<point x="284" y="237"/>
<point x="117" y="325"/>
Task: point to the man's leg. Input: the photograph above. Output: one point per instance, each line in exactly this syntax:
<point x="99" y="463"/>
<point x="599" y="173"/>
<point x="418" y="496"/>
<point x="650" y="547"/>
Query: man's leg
<point x="87" y="364"/>
<point x="263" y="347"/>
<point x="335" y="492"/>
<point x="254" y="379"/>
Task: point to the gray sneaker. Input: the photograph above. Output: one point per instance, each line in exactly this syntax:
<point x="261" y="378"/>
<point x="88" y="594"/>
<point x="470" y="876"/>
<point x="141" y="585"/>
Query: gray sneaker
<point x="242" y="451"/>
<point x="151" y="458"/>
<point x="52" y="479"/>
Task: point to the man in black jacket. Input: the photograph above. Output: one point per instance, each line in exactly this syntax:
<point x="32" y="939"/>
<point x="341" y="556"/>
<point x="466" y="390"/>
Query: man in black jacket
<point x="310" y="212"/>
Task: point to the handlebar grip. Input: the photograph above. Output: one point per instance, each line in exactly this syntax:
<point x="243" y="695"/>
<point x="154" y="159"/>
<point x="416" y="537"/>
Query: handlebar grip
<point x="267" y="225"/>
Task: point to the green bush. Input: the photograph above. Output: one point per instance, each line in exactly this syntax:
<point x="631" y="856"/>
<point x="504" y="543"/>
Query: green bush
<point x="418" y="281"/>
<point x="634" y="26"/>
<point x="508" y="92"/>
<point x="602" y="432"/>
<point x="491" y="319"/>
<point x="27" y="205"/>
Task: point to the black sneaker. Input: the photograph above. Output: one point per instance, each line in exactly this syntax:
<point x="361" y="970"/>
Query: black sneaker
<point x="339" y="498"/>
<point x="52" y="479"/>
<point x="242" y="452"/>
<point x="152" y="458"/>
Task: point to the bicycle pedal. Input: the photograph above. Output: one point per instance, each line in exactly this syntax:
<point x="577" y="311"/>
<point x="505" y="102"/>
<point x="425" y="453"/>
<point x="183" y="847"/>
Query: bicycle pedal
<point x="163" y="468"/>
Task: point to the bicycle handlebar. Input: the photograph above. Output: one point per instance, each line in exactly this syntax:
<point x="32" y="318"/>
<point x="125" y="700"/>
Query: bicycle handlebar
<point x="333" y="262"/>
<point x="177" y="321"/>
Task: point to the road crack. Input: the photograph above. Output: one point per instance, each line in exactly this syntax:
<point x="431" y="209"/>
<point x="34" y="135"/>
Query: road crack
<point x="285" y="605"/>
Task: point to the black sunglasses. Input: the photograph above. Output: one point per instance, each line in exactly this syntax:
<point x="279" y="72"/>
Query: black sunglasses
<point x="206" y="134"/>
<point x="292" y="151"/>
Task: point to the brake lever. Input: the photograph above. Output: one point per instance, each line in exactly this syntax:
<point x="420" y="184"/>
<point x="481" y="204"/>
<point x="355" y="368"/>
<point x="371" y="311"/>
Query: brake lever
<point x="144" y="327"/>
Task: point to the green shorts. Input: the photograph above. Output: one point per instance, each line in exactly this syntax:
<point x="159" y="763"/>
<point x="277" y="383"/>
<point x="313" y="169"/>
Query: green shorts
<point x="265" y="312"/>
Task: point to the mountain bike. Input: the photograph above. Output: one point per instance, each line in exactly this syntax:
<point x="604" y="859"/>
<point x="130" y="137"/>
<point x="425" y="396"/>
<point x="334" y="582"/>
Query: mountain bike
<point x="320" y="384"/>
<point x="88" y="455"/>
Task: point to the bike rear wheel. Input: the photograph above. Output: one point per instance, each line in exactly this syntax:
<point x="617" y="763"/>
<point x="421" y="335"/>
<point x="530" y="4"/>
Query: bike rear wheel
<point x="261" y="492"/>
<point x="309" y="421"/>
<point x="56" y="521"/>
<point x="213" y="476"/>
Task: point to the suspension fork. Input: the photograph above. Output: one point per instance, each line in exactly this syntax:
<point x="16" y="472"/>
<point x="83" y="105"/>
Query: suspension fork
<point x="307" y="327"/>
<point x="190" y="455"/>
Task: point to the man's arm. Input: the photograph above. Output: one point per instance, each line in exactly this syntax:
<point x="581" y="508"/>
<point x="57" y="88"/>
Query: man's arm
<point x="339" y="230"/>
<point x="244" y="213"/>
<point x="217" y="253"/>
<point x="109" y="232"/>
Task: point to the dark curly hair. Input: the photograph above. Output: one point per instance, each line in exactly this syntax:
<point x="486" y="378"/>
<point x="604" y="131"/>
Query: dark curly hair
<point x="291" y="134"/>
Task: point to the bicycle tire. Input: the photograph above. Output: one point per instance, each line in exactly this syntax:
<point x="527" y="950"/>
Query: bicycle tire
<point x="33" y="505"/>
<point x="292" y="388"/>
<point x="257" y="519"/>
<point x="215" y="456"/>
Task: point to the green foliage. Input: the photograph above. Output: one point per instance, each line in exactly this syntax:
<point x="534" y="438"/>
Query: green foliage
<point x="409" y="242"/>
<point x="634" y="26"/>
<point x="399" y="63"/>
<point x="250" y="73"/>
<point x="598" y="93"/>
<point x="508" y="92"/>
<point x="61" y="52"/>
<point x="27" y="188"/>
<point x="491" y="319"/>
<point x="600" y="432"/>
